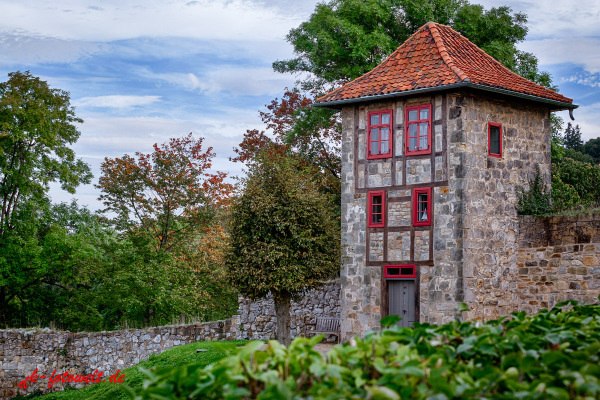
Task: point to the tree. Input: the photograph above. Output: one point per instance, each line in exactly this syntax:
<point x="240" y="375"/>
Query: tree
<point x="591" y="148"/>
<point x="283" y="237"/>
<point x="166" y="196"/>
<point x="313" y="135"/>
<point x="37" y="126"/>
<point x="344" y="39"/>
<point x="572" y="137"/>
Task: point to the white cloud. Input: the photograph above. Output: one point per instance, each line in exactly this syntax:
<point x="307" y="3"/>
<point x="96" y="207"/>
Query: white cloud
<point x="23" y="49"/>
<point x="584" y="51"/>
<point x="206" y="19"/>
<point x="116" y="101"/>
<point x="587" y="118"/>
<point x="585" y="79"/>
<point x="237" y="80"/>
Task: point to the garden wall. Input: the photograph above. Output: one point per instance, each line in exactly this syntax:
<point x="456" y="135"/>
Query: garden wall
<point x="558" y="260"/>
<point x="23" y="351"/>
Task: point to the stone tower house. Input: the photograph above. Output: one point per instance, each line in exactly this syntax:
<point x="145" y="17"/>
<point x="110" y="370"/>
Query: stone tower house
<point x="435" y="142"/>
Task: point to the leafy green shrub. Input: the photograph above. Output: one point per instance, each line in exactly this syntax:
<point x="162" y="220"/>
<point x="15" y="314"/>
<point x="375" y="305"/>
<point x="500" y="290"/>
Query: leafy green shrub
<point x="552" y="355"/>
<point x="564" y="196"/>
<point x="583" y="177"/>
<point x="536" y="200"/>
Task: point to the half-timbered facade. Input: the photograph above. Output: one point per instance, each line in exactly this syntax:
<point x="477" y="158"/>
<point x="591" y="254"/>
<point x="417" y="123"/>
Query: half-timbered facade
<point x="435" y="141"/>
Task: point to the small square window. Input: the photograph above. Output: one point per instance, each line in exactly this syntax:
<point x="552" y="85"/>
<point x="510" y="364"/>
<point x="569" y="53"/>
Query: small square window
<point x="494" y="139"/>
<point x="380" y="130"/>
<point x="422" y="207"/>
<point x="376" y="211"/>
<point x="418" y="130"/>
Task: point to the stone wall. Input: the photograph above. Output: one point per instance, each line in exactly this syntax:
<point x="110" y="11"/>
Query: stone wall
<point x="489" y="194"/>
<point x="558" y="260"/>
<point x="22" y="351"/>
<point x="258" y="321"/>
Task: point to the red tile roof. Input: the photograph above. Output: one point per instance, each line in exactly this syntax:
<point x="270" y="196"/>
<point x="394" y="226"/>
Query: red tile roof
<point x="434" y="56"/>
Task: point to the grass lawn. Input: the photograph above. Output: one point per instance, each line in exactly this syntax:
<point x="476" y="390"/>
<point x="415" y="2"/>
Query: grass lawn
<point x="180" y="355"/>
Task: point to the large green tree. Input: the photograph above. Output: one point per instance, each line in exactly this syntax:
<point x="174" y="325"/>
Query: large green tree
<point x="283" y="236"/>
<point x="344" y="39"/>
<point x="37" y="127"/>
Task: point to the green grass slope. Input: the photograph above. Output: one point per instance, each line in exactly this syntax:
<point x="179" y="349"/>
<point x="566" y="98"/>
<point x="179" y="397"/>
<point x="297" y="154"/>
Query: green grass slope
<point x="175" y="357"/>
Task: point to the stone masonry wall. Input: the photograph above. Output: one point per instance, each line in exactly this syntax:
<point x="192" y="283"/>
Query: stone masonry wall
<point x="558" y="260"/>
<point x="490" y="221"/>
<point x="258" y="321"/>
<point x="22" y="351"/>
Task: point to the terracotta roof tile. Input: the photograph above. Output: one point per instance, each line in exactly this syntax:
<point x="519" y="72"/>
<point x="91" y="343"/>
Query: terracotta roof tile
<point x="437" y="55"/>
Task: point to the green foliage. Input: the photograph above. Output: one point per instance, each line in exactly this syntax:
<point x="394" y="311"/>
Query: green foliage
<point x="572" y="137"/>
<point x="591" y="148"/>
<point x="564" y="196"/>
<point x="283" y="239"/>
<point x="180" y="356"/>
<point x="536" y="200"/>
<point x="552" y="355"/>
<point x="583" y="177"/>
<point x="557" y="149"/>
<point x="37" y="126"/>
<point x="579" y="156"/>
<point x="344" y="39"/>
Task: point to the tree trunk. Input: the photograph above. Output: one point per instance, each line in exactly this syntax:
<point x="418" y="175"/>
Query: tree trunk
<point x="282" y="312"/>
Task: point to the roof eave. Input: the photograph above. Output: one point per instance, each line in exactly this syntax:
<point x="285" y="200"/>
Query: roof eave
<point x="557" y="105"/>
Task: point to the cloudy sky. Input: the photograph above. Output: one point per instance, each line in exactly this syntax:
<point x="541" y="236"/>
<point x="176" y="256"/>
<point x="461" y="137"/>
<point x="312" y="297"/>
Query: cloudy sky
<point x="140" y="72"/>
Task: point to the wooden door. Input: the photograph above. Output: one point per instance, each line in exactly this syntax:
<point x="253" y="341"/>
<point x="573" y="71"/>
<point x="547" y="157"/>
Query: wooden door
<point x="401" y="295"/>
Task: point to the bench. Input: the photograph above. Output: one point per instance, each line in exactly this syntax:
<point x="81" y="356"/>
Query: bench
<point x="325" y="325"/>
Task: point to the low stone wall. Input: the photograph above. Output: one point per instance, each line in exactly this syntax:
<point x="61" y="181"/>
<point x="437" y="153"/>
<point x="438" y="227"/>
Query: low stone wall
<point x="257" y="318"/>
<point x="558" y="260"/>
<point x="23" y="351"/>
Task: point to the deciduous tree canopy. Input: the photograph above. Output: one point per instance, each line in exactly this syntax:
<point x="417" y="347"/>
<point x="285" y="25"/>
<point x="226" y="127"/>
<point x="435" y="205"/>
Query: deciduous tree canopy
<point x="284" y="238"/>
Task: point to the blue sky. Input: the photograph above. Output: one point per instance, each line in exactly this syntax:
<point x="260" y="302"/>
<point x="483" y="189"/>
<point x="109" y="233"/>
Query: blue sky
<point x="140" y="72"/>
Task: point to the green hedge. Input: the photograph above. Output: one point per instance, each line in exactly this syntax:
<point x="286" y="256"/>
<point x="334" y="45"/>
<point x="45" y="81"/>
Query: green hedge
<point x="551" y="355"/>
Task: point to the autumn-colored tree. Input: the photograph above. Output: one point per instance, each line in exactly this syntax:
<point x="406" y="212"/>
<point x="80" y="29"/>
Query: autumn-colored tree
<point x="166" y="196"/>
<point x="284" y="238"/>
<point x="311" y="135"/>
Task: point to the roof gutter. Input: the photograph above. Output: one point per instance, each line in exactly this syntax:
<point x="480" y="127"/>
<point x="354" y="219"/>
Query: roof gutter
<point x="560" y="105"/>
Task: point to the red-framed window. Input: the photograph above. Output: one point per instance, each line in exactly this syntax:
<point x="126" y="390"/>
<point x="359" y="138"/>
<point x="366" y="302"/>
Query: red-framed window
<point x="494" y="139"/>
<point x="422" y="206"/>
<point x="376" y="214"/>
<point x="380" y="134"/>
<point x="399" y="271"/>
<point x="418" y="130"/>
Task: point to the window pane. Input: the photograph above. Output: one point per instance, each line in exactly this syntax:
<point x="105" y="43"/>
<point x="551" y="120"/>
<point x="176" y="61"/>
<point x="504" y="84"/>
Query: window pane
<point x="385" y="147"/>
<point x="494" y="139"/>
<point x="374" y="119"/>
<point x="412" y="130"/>
<point x="406" y="271"/>
<point x="412" y="144"/>
<point x="424" y="113"/>
<point x="413" y="115"/>
<point x="422" y="199"/>
<point x="376" y="200"/>
<point x="375" y="134"/>
<point x="385" y="118"/>
<point x="423" y="129"/>
<point x="385" y="133"/>
<point x="421" y="216"/>
<point x="376" y="218"/>
<point x="374" y="147"/>
<point x="423" y="143"/>
<point x="376" y="208"/>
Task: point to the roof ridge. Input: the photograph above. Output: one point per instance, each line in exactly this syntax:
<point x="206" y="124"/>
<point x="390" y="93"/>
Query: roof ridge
<point x="439" y="43"/>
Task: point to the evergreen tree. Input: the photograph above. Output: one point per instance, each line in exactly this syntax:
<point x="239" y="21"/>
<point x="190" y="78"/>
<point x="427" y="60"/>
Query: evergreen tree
<point x="572" y="137"/>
